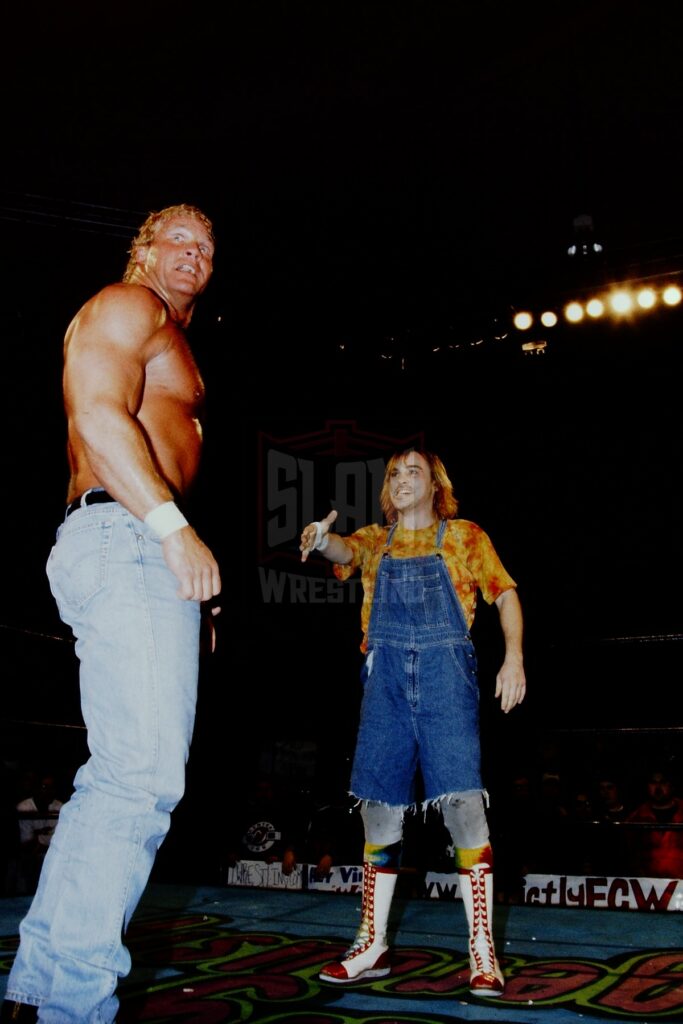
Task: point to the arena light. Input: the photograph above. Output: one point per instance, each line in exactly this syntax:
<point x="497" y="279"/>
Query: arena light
<point x="621" y="302"/>
<point x="574" y="312"/>
<point x="523" y="320"/>
<point x="595" y="308"/>
<point x="646" y="298"/>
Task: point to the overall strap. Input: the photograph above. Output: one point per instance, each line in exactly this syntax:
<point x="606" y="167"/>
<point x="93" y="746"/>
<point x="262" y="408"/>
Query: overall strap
<point x="390" y="535"/>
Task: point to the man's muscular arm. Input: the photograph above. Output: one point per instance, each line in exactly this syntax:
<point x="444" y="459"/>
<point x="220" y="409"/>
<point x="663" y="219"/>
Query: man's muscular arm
<point x="107" y="350"/>
<point x="108" y="347"/>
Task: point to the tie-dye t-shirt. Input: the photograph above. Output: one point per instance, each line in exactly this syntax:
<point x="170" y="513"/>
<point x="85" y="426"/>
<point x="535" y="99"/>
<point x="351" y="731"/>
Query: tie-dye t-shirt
<point x="468" y="553"/>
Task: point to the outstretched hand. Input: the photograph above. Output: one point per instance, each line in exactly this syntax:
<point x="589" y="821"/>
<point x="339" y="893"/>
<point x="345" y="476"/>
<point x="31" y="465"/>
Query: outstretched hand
<point x="309" y="534"/>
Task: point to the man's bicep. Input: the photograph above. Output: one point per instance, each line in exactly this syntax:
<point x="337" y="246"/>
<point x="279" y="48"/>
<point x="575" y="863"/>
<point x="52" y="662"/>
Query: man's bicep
<point x="98" y="374"/>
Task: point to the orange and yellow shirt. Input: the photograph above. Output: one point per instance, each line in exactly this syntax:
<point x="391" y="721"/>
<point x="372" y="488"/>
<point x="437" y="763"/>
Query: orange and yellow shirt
<point x="468" y="554"/>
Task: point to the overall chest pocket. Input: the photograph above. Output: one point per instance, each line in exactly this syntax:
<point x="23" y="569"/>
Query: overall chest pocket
<point x="413" y="600"/>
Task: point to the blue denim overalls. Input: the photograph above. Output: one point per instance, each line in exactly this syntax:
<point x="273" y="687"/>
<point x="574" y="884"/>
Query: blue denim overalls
<point x="421" y="694"/>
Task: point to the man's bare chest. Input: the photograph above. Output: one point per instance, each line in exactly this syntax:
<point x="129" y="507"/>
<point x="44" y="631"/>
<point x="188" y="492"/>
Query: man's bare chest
<point x="174" y="375"/>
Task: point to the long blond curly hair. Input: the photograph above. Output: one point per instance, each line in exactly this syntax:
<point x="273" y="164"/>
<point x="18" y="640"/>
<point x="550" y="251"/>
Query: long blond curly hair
<point x="445" y="502"/>
<point x="148" y="231"/>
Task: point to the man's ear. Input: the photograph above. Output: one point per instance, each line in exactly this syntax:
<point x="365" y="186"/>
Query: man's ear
<point x="140" y="253"/>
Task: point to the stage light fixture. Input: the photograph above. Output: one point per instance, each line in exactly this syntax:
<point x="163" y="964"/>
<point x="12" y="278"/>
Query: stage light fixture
<point x="646" y="298"/>
<point x="535" y="348"/>
<point x="621" y="302"/>
<point x="672" y="295"/>
<point x="574" y="312"/>
<point x="522" y="320"/>
<point x="584" y="244"/>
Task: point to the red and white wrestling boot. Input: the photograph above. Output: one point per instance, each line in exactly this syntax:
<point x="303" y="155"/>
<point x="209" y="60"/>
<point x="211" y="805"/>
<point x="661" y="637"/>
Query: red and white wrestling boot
<point x="476" y="887"/>
<point x="369" y="955"/>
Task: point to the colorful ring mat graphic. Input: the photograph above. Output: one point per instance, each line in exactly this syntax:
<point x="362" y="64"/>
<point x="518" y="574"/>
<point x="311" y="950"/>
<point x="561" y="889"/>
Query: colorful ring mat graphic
<point x="202" y="965"/>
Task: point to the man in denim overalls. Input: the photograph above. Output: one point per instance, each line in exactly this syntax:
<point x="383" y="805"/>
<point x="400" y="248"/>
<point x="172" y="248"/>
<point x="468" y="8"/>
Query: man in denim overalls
<point x="421" y="575"/>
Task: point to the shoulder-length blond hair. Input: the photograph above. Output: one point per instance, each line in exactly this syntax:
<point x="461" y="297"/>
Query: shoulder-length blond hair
<point x="445" y="502"/>
<point x="154" y="222"/>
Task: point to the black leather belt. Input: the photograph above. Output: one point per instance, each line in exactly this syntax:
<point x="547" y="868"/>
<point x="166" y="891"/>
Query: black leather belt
<point x="88" y="498"/>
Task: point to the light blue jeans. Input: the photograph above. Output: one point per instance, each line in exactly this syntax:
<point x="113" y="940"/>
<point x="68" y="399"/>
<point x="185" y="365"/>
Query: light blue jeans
<point x="138" y="645"/>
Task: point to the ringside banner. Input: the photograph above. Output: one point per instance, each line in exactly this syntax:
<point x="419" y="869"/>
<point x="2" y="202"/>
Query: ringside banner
<point x="582" y="891"/>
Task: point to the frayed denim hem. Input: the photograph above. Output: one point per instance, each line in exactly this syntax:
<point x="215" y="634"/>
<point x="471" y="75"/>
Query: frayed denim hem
<point x="424" y="805"/>
<point x="451" y="798"/>
<point x="362" y="801"/>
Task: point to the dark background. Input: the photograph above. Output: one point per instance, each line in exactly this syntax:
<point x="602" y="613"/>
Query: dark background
<point x="388" y="184"/>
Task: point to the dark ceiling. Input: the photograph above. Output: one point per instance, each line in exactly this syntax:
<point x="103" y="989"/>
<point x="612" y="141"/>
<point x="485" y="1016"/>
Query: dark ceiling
<point x="370" y="165"/>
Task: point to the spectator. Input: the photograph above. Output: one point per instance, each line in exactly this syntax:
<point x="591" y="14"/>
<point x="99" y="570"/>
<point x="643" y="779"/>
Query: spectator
<point x="266" y="827"/>
<point x="658" y="852"/>
<point x="37" y="815"/>
<point x="610" y="848"/>
<point x="581" y="831"/>
<point x="610" y="805"/>
<point x="335" y="832"/>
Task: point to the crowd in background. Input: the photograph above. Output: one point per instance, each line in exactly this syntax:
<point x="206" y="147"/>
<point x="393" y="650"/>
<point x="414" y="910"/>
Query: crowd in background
<point x="621" y="820"/>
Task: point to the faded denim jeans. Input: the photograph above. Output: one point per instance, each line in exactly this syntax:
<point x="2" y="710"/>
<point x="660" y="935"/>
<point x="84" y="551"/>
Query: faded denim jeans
<point x="138" y="645"/>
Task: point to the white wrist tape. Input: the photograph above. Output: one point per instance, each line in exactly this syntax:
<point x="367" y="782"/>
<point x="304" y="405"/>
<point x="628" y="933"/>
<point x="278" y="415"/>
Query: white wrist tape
<point x="321" y="541"/>
<point x="165" y="519"/>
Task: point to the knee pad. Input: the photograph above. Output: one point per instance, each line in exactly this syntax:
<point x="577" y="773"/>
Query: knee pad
<point x="464" y="816"/>
<point x="383" y="824"/>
